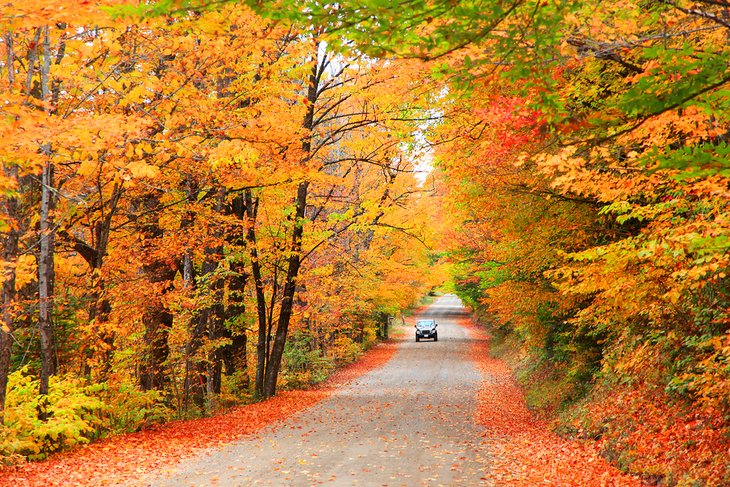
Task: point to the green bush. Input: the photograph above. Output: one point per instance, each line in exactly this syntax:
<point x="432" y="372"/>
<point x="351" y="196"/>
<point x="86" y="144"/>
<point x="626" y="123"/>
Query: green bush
<point x="305" y="366"/>
<point x="128" y="409"/>
<point x="72" y="409"/>
<point x="76" y="413"/>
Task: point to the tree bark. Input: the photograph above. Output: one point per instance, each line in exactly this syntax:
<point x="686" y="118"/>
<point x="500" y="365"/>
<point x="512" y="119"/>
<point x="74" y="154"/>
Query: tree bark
<point x="234" y="355"/>
<point x="46" y="282"/>
<point x="10" y="56"/>
<point x="158" y="322"/>
<point x="195" y="386"/>
<point x="251" y="205"/>
<point x="10" y="257"/>
<point x="216" y="319"/>
<point x="157" y="318"/>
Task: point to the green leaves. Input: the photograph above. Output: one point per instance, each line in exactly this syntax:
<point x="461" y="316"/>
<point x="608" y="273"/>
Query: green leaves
<point x="74" y="411"/>
<point x="695" y="161"/>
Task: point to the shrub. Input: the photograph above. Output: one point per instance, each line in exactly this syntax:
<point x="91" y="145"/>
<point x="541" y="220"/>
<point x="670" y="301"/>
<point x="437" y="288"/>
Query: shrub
<point x="73" y="416"/>
<point x="305" y="366"/>
<point x="129" y="409"/>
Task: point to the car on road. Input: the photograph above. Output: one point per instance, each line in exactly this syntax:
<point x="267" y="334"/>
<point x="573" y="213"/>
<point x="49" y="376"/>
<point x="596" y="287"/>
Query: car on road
<point x="426" y="329"/>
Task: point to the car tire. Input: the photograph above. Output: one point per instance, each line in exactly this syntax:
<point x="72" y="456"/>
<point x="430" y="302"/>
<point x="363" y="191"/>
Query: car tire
<point x="418" y="339"/>
<point x="436" y="338"/>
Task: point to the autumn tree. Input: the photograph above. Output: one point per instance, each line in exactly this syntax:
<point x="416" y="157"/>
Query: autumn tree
<point x="33" y="89"/>
<point x="193" y="183"/>
<point x="633" y="114"/>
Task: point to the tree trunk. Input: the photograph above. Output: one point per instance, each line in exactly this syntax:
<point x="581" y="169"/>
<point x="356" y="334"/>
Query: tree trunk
<point x="100" y="305"/>
<point x="287" y="303"/>
<point x="157" y="318"/>
<point x="234" y="355"/>
<point x="216" y="332"/>
<point x="273" y="362"/>
<point x="46" y="254"/>
<point x="216" y="319"/>
<point x="252" y="205"/>
<point x="46" y="281"/>
<point x="194" y="385"/>
<point x="158" y="322"/>
<point x="10" y="58"/>
<point x="195" y="378"/>
<point x="10" y="256"/>
<point x="93" y="251"/>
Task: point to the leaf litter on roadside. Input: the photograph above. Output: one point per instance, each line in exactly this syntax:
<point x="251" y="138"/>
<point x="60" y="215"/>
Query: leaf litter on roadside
<point x="523" y="450"/>
<point x="125" y="458"/>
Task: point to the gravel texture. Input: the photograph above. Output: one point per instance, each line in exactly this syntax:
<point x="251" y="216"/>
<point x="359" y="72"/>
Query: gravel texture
<point x="408" y="423"/>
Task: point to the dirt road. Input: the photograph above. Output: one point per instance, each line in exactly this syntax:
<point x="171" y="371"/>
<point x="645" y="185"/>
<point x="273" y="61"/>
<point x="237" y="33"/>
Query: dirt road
<point x="408" y="423"/>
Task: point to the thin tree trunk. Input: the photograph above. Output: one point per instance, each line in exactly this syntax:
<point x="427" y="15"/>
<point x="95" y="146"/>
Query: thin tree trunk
<point x="287" y="303"/>
<point x="194" y="385"/>
<point x="10" y="58"/>
<point x="194" y="391"/>
<point x="46" y="282"/>
<point x="261" y="356"/>
<point x="46" y="269"/>
<point x="10" y="256"/>
<point x="46" y="67"/>
<point x="216" y="320"/>
<point x="100" y="308"/>
<point x="273" y="364"/>
<point x="32" y="56"/>
<point x="216" y="332"/>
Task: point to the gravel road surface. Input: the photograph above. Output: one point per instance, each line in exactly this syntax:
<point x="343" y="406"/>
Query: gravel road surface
<point x="409" y="423"/>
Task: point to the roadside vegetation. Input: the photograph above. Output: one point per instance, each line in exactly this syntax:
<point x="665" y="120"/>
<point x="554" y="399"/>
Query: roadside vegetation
<point x="197" y="211"/>
<point x="203" y="203"/>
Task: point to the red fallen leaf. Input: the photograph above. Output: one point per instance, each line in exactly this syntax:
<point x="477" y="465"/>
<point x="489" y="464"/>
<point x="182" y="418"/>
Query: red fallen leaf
<point x="174" y="441"/>
<point x="525" y="452"/>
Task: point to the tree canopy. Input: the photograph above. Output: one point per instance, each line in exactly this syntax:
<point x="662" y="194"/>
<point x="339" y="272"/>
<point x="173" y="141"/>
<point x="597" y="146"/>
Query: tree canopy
<point x="204" y="200"/>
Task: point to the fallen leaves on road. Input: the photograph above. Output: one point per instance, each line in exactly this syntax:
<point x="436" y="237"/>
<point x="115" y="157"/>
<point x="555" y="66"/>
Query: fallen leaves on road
<point x="524" y="451"/>
<point x="125" y="458"/>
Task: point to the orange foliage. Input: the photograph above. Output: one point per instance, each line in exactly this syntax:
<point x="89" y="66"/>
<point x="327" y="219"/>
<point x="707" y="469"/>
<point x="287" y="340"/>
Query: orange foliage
<point x="643" y="426"/>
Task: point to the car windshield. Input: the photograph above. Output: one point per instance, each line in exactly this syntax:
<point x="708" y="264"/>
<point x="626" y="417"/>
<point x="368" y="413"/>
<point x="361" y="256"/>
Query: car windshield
<point x="425" y="324"/>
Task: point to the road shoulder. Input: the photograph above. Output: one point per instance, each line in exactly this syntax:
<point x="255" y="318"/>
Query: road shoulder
<point x="524" y="451"/>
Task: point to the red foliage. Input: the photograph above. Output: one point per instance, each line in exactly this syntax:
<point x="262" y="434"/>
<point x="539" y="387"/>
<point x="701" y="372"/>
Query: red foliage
<point x="524" y="451"/>
<point x="125" y="458"/>
<point x="644" y="419"/>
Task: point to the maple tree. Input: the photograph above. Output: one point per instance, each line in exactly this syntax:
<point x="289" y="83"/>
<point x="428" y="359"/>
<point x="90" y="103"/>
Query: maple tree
<point x="33" y="134"/>
<point x="201" y="173"/>
<point x="602" y="248"/>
